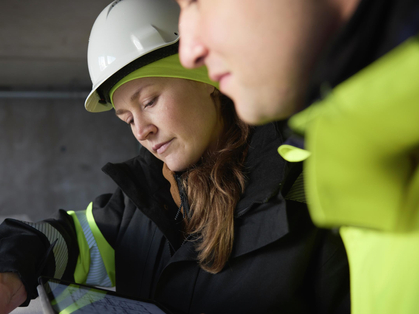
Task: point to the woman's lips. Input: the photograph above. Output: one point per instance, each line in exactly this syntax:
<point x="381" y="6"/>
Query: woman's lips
<point x="161" y="148"/>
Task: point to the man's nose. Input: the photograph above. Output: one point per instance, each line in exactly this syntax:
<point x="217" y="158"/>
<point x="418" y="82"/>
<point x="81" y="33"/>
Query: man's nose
<point x="192" y="51"/>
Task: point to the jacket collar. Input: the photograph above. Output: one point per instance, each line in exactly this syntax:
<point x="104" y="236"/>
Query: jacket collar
<point x="141" y="179"/>
<point x="264" y="166"/>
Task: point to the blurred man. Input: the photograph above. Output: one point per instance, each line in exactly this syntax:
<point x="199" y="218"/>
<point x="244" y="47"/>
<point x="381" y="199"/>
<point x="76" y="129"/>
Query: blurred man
<point x="261" y="52"/>
<point x="347" y="73"/>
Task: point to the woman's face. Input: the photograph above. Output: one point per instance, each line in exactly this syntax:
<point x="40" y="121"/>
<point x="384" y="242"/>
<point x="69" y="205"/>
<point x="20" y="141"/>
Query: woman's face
<point x="175" y="119"/>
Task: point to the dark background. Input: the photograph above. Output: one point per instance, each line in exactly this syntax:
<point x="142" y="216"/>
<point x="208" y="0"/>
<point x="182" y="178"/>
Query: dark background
<point x="51" y="149"/>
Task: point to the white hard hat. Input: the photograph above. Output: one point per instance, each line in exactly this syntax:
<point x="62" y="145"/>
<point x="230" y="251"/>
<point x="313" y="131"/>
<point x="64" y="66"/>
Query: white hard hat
<point x="123" y="32"/>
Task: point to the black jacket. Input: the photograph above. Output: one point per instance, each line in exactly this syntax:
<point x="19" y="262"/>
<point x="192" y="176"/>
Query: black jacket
<point x="280" y="262"/>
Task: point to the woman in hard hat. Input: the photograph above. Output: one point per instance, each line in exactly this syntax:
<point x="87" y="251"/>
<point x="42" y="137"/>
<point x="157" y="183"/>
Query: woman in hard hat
<point x="207" y="219"/>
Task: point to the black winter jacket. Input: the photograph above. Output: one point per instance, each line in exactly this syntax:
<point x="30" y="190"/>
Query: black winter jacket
<point x="281" y="263"/>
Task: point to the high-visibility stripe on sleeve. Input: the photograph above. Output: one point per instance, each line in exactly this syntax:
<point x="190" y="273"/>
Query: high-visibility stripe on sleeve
<point x="105" y="249"/>
<point x="96" y="263"/>
<point x="83" y="260"/>
<point x="97" y="272"/>
<point x="60" y="249"/>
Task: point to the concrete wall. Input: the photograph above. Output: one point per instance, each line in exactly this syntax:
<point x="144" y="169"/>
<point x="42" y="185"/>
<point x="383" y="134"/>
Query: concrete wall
<point x="51" y="154"/>
<point x="44" y="42"/>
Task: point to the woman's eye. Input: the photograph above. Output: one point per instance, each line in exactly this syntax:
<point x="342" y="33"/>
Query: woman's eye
<point x="150" y="103"/>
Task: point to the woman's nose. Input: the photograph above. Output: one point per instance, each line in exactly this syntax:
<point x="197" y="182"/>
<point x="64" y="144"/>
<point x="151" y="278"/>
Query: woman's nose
<point x="142" y="130"/>
<point x="192" y="51"/>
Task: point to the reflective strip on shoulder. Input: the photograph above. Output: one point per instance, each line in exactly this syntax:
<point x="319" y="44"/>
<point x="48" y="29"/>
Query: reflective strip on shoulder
<point x="60" y="249"/>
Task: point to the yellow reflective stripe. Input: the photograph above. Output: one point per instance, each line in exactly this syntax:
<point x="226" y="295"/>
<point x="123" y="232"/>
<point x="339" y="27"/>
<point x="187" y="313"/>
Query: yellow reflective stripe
<point x="84" y="301"/>
<point x="83" y="260"/>
<point x="105" y="250"/>
<point x="65" y="294"/>
<point x="293" y="154"/>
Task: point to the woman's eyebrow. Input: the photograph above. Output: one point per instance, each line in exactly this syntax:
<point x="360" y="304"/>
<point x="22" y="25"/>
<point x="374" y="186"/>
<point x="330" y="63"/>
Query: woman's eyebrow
<point x="132" y="98"/>
<point x="120" y="111"/>
<point x="138" y="92"/>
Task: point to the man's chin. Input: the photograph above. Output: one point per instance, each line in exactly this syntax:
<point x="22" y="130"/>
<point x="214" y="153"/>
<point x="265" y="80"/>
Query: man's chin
<point x="251" y="116"/>
<point x="253" y="113"/>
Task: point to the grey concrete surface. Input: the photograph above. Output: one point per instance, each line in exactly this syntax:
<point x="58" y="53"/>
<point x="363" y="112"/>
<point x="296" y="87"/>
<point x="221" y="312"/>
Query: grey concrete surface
<point x="51" y="155"/>
<point x="44" y="43"/>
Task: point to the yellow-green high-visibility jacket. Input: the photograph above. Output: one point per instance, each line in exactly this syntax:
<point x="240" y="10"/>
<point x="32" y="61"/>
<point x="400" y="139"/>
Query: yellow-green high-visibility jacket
<point x="362" y="174"/>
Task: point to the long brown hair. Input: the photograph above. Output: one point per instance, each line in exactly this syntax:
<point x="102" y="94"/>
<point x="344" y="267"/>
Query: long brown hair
<point x="214" y="187"/>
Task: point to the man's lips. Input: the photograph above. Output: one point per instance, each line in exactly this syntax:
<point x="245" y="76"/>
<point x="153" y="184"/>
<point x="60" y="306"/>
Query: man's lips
<point x="221" y="78"/>
<point x="161" y="148"/>
<point x="218" y="77"/>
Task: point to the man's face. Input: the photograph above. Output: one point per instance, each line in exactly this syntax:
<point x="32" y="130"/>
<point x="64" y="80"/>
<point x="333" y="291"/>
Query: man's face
<point x="260" y="51"/>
